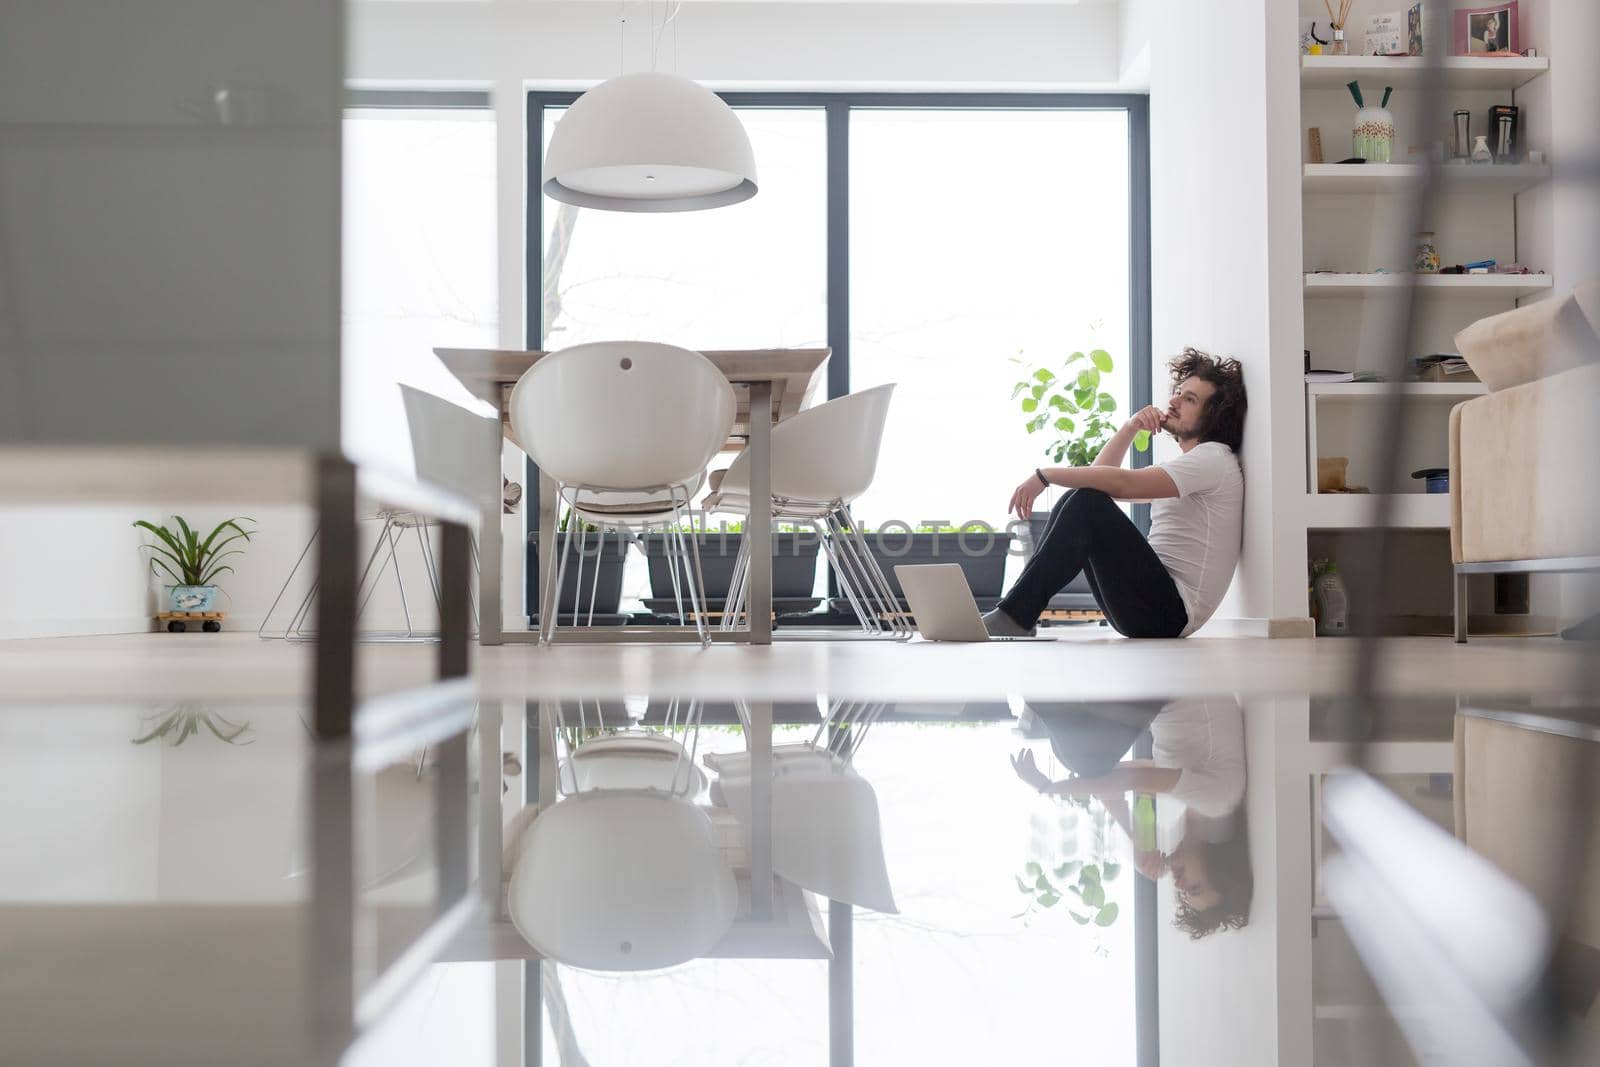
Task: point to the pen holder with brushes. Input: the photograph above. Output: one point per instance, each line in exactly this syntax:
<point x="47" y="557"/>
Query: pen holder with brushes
<point x="1373" y="136"/>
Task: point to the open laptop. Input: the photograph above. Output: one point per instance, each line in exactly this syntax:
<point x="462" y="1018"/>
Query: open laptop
<point x="942" y="605"/>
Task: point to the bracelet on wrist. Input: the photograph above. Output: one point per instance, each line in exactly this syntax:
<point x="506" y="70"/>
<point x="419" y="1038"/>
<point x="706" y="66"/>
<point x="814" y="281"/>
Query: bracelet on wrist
<point x="1042" y="479"/>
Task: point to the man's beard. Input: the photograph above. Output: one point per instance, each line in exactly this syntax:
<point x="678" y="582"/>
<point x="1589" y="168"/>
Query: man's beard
<point x="1183" y="434"/>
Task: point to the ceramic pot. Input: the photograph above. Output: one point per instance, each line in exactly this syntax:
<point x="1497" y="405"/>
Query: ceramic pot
<point x="1427" y="261"/>
<point x="1373" y="136"/>
<point x="191" y="597"/>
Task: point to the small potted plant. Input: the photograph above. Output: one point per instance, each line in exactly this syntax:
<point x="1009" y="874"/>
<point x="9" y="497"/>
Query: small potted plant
<point x="1077" y="418"/>
<point x="794" y="567"/>
<point x="604" y="555"/>
<point x="193" y="562"/>
<point x="979" y="550"/>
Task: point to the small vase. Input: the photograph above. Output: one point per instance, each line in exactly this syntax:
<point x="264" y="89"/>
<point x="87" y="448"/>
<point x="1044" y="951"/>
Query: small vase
<point x="1427" y="261"/>
<point x="1337" y="46"/>
<point x="1373" y="136"/>
<point x="192" y="597"/>
<point x="1480" y="149"/>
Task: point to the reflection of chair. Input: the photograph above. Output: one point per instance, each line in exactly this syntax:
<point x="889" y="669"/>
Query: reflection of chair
<point x="826" y="835"/>
<point x="822" y="460"/>
<point x="626" y="429"/>
<point x="623" y="873"/>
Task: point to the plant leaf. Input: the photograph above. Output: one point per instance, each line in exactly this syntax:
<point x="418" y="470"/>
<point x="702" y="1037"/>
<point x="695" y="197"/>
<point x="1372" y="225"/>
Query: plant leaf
<point x="1081" y="920"/>
<point x="1044" y="374"/>
<point x="1033" y="868"/>
<point x="1030" y="405"/>
<point x="1102" y="360"/>
<point x="1110" y="869"/>
<point x="1075" y="357"/>
<point x="1023" y="886"/>
<point x="1094" y="895"/>
<point x="1042" y="884"/>
<point x="1049" y="900"/>
<point x="1089" y="378"/>
<point x="1107" y="402"/>
<point x="1141" y="441"/>
<point x="1107" y="916"/>
<point x="1066" y="869"/>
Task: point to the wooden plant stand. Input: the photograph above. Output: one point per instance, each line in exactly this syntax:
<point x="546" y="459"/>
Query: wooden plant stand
<point x="177" y="622"/>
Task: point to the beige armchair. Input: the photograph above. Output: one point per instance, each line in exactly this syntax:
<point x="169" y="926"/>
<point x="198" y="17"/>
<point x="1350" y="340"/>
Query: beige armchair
<point x="1524" y="482"/>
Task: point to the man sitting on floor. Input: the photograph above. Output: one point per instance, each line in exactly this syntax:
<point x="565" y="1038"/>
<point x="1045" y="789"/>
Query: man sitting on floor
<point x="1168" y="585"/>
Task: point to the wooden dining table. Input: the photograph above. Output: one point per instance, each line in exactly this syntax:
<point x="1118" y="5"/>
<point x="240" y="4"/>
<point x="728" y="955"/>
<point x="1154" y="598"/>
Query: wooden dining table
<point x="771" y="384"/>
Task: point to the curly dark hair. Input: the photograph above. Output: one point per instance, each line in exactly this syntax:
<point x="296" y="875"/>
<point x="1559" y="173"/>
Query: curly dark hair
<point x="1228" y="869"/>
<point x="1223" y="417"/>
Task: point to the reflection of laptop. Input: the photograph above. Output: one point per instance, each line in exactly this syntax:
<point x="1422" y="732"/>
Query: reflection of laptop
<point x="942" y="605"/>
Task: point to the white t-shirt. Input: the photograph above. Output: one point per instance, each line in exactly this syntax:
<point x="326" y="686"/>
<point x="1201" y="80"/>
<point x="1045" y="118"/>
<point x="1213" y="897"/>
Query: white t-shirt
<point x="1197" y="533"/>
<point x="1204" y="739"/>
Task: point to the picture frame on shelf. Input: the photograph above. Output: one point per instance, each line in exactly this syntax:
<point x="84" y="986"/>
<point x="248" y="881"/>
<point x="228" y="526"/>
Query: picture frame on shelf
<point x="1394" y="33"/>
<point x="1495" y="30"/>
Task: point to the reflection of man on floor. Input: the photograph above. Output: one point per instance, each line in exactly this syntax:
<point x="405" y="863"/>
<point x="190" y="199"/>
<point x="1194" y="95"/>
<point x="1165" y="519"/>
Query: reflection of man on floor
<point x="1169" y="584"/>
<point x="1191" y="790"/>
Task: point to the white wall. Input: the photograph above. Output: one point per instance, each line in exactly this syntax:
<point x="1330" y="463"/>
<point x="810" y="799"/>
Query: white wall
<point x="1225" y="224"/>
<point x="1242" y="998"/>
<point x="748" y="45"/>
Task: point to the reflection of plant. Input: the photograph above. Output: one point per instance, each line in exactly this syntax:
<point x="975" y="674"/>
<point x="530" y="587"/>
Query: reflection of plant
<point x="1079" y="881"/>
<point x="1072" y="404"/>
<point x="178" y="725"/>
<point x="1088" y="889"/>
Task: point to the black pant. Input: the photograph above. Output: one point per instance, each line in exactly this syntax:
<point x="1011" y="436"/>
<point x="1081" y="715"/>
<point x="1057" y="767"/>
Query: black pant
<point x="1089" y="533"/>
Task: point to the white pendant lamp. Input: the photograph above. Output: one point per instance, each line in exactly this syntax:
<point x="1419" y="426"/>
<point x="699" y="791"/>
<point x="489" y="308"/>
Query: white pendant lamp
<point x="649" y="142"/>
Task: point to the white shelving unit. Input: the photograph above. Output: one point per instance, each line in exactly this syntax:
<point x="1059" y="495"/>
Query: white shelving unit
<point x="1485" y="179"/>
<point x="1504" y="285"/>
<point x="1406" y="72"/>
<point x="1357" y="511"/>
<point x="1364" y="304"/>
<point x="1377" y="390"/>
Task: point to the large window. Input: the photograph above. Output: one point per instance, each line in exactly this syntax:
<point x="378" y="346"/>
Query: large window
<point x="943" y="243"/>
<point x="980" y="242"/>
<point x="419" y="246"/>
<point x="753" y="275"/>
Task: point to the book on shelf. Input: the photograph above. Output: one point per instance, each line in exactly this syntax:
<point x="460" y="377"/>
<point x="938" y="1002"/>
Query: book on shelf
<point x="1336" y="377"/>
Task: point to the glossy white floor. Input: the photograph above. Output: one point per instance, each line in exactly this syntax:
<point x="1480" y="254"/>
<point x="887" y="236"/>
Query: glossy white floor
<point x="1087" y="663"/>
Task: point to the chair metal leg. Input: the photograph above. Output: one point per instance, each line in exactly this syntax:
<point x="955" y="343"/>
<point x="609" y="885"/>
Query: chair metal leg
<point x="734" y="605"/>
<point x="287" y="582"/>
<point x="296" y="631"/>
<point x="897" y="620"/>
<point x="844" y="552"/>
<point x="594" y="584"/>
<point x="843" y="575"/>
<point x="399" y="579"/>
<point x="699" y="574"/>
<point x="577" y="580"/>
<point x="547" y="616"/>
<point x="696" y="599"/>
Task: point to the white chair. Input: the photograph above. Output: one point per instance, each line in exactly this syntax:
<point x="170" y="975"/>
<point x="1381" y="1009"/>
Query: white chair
<point x="823" y="458"/>
<point x="826" y="834"/>
<point x="626" y="429"/>
<point x="622" y="879"/>
<point x="450" y="447"/>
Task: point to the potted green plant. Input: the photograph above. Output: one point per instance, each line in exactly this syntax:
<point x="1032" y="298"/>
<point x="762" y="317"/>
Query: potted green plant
<point x="1076" y="418"/>
<point x="193" y="562"/>
<point x="976" y="547"/>
<point x="604" y="554"/>
<point x="794" y="567"/>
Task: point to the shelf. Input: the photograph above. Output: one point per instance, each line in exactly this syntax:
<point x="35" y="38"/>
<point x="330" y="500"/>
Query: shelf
<point x="1404" y="72"/>
<point x="1354" y="511"/>
<point x="1505" y="286"/>
<point x="1464" y="178"/>
<point x="1376" y="390"/>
